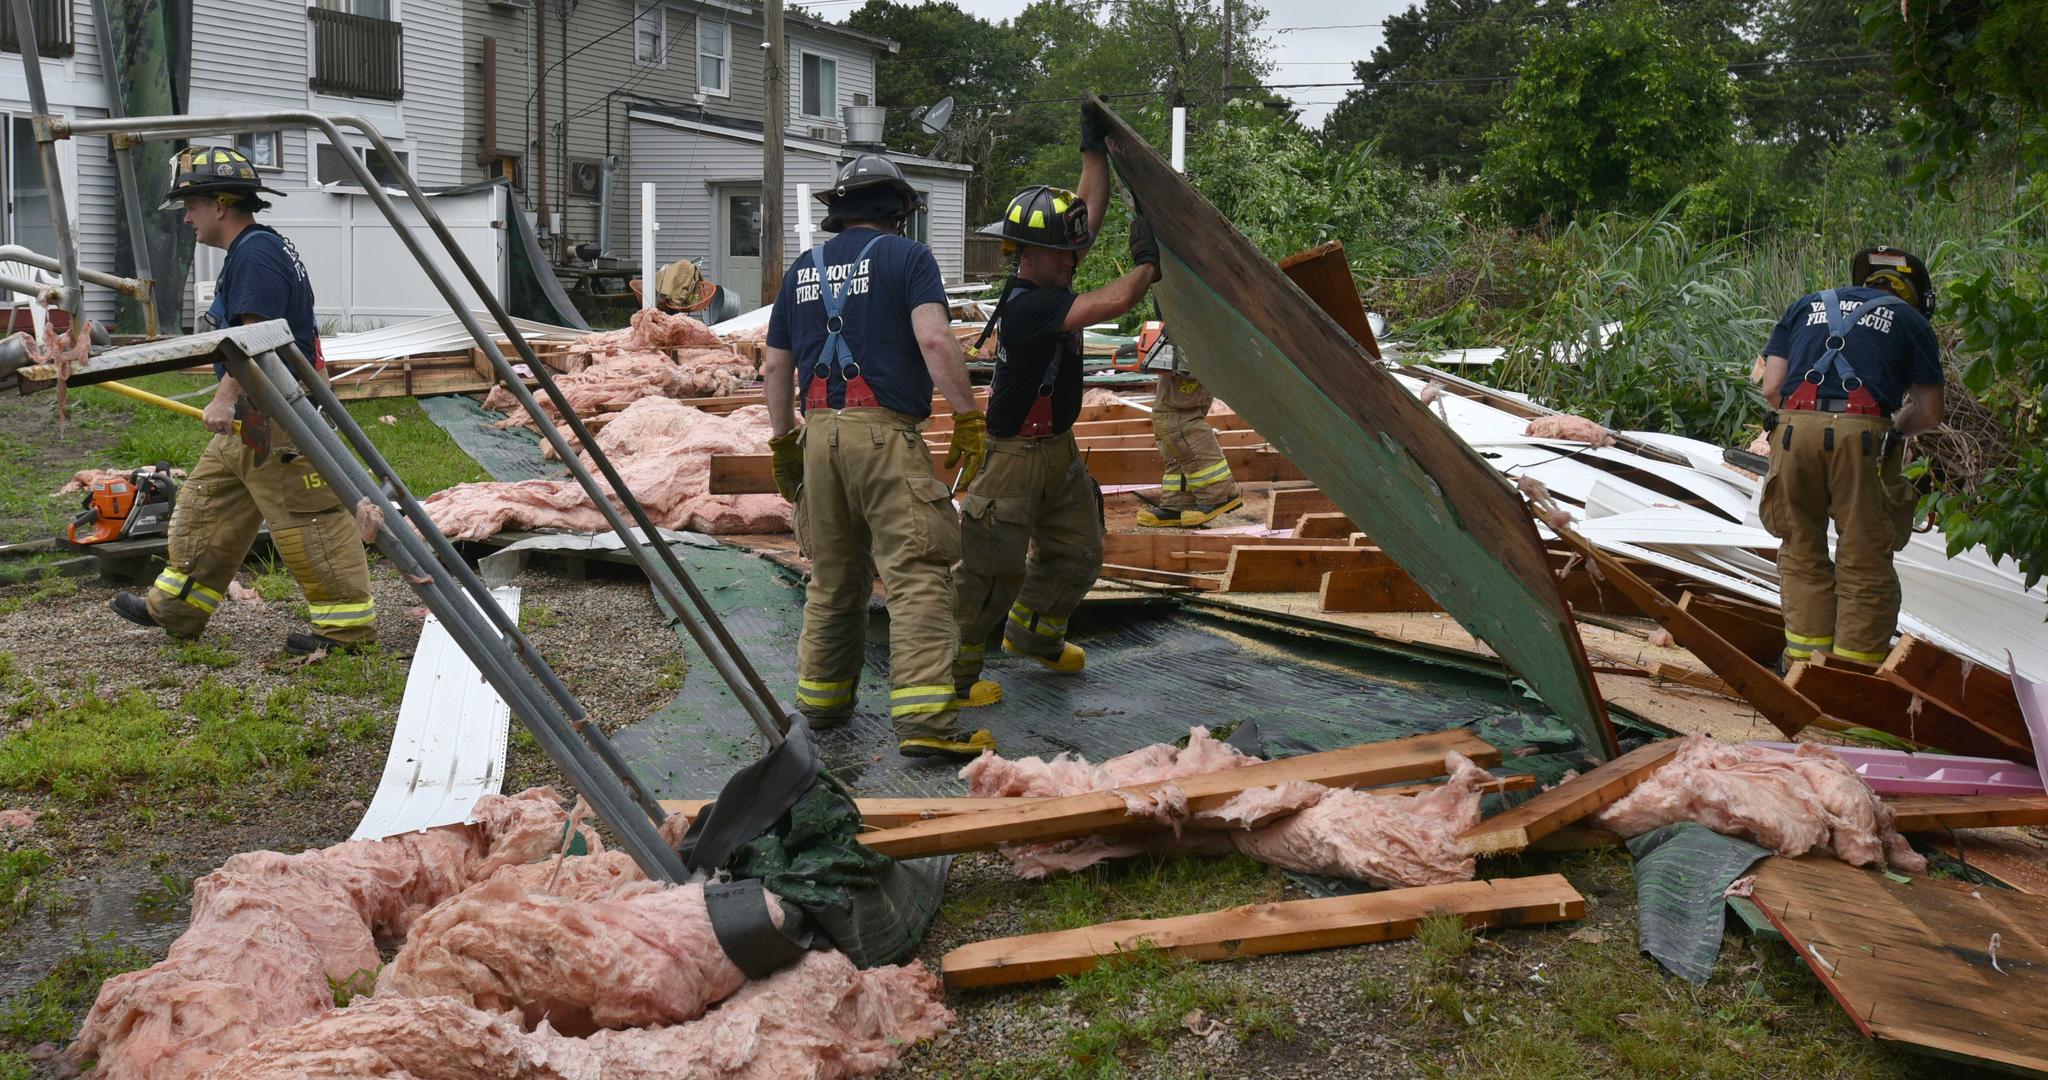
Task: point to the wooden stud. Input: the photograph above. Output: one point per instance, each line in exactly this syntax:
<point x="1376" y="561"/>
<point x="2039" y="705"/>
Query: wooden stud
<point x="1289" y="504"/>
<point x="1333" y="526"/>
<point x="1759" y="640"/>
<point x="1380" y="588"/>
<point x="1325" y="275"/>
<point x="1984" y="695"/>
<point x="751" y="474"/>
<point x="1264" y="929"/>
<point x="1294" y="569"/>
<point x="1884" y="705"/>
<point x="1411" y="758"/>
<point x="1568" y="802"/>
<point x="1939" y="813"/>
<point x="1786" y="708"/>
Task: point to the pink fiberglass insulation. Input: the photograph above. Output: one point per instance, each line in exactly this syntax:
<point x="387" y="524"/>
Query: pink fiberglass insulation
<point x="1793" y="803"/>
<point x="269" y="930"/>
<point x="1567" y="426"/>
<point x="620" y="379"/>
<point x="18" y="819"/>
<point x="642" y="957"/>
<point x="663" y="451"/>
<point x="1384" y="839"/>
<point x="1100" y="395"/>
<point x="819" y="1018"/>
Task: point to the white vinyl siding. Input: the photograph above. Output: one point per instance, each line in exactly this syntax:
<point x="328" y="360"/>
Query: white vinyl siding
<point x="714" y="57"/>
<point x="853" y="77"/>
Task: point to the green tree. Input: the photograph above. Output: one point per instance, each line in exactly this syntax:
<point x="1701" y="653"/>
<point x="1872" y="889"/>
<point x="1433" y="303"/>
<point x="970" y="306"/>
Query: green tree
<point x="1976" y="80"/>
<point x="1617" y="111"/>
<point x="1816" y="84"/>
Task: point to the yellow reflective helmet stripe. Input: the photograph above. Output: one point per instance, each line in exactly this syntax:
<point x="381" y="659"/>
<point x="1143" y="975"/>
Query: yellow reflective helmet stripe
<point x="1017" y="212"/>
<point x="1038" y="219"/>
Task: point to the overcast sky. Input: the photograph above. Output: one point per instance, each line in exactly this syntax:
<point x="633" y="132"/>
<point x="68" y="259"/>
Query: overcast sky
<point x="1300" y="56"/>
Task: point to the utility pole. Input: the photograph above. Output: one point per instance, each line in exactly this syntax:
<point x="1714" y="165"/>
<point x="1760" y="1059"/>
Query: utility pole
<point x="776" y="85"/>
<point x="1223" y="99"/>
<point x="540" y="99"/>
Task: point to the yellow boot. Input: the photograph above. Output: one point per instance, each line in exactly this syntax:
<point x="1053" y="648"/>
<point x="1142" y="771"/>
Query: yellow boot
<point x="966" y="749"/>
<point x="1187" y="518"/>
<point x="1072" y="659"/>
<point x="983" y="692"/>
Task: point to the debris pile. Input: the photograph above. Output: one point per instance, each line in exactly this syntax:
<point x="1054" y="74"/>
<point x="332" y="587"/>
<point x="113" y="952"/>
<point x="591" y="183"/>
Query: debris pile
<point x="662" y="449"/>
<point x="659" y="355"/>
<point x="1808" y="800"/>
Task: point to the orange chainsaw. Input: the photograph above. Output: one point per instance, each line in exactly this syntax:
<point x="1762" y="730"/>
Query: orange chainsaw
<point x="135" y="507"/>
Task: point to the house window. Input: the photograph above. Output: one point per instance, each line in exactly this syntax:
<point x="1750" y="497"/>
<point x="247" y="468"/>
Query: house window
<point x="714" y="55"/>
<point x="264" y="149"/>
<point x="331" y="168"/>
<point x="821" y="87"/>
<point x="650" y="34"/>
<point x="919" y="227"/>
<point x="368" y="9"/>
<point x="26" y="199"/>
<point x="743" y="227"/>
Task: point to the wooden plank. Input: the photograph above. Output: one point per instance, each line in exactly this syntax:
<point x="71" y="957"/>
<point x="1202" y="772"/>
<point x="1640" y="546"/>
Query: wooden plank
<point x="1568" y="802"/>
<point x="1331" y="526"/>
<point x="1265" y="929"/>
<point x="1412" y="758"/>
<point x="1325" y="275"/>
<point x="1984" y="695"/>
<point x="1760" y="641"/>
<point x="1383" y="588"/>
<point x="1938" y="813"/>
<point x="750" y="474"/>
<point x="1181" y="552"/>
<point x="1430" y="501"/>
<point x="1911" y="963"/>
<point x="1131" y="441"/>
<point x="1294" y="569"/>
<point x="1878" y="703"/>
<point x="1786" y="708"/>
<point x="887" y="812"/>
<point x="1183" y="579"/>
<point x="1289" y="504"/>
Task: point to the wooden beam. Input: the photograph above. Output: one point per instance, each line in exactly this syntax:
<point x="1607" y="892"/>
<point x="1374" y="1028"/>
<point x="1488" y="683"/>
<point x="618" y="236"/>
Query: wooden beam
<point x="1888" y="707"/>
<point x="1331" y="526"/>
<point x="1938" y="813"/>
<point x="1264" y="929"/>
<point x="1380" y="588"/>
<point x="1984" y="695"/>
<point x="1178" y="551"/>
<point x="887" y="812"/>
<point x="1183" y="579"/>
<point x="1568" y="802"/>
<point x="1133" y="441"/>
<point x="1786" y="708"/>
<point x="751" y="474"/>
<point x="1412" y="758"/>
<point x="1294" y="569"/>
<point x="1325" y="275"/>
<point x="1759" y="640"/>
<point x="1289" y="504"/>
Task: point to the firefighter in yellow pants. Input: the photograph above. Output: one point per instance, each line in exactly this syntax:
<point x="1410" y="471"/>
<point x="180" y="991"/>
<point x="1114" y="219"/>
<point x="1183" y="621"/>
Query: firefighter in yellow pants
<point x="1032" y="523"/>
<point x="1197" y="485"/>
<point x="231" y="494"/>
<point x="862" y="321"/>
<point x="1851" y="372"/>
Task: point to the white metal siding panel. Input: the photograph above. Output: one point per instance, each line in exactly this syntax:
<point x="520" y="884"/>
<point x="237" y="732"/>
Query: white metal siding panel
<point x="433" y="105"/>
<point x="947" y="229"/>
<point x="252" y="56"/>
<point x="856" y="75"/>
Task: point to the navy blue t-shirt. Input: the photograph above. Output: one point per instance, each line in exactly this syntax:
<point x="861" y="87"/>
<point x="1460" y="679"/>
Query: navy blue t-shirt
<point x="1033" y="335"/>
<point x="1890" y="348"/>
<point x="263" y="277"/>
<point x="897" y="276"/>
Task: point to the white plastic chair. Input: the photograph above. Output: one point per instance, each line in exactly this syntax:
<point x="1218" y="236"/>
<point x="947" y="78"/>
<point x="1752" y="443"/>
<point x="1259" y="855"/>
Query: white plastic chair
<point x="39" y="312"/>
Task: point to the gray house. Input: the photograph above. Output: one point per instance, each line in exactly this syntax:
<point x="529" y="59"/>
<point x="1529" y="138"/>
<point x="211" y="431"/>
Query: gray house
<point x="671" y="93"/>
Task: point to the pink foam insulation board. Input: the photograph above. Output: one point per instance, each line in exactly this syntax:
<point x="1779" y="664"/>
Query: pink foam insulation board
<point x="1896" y="772"/>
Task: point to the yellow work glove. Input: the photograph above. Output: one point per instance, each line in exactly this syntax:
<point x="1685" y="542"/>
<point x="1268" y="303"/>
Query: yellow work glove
<point x="970" y="447"/>
<point x="788" y="453"/>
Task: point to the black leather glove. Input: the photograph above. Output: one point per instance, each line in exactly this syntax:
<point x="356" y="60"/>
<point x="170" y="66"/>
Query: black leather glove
<point x="1094" y="137"/>
<point x="1144" y="248"/>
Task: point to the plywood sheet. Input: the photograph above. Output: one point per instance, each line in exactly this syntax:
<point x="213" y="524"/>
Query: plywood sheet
<point x="1912" y="963"/>
<point x="1429" y="500"/>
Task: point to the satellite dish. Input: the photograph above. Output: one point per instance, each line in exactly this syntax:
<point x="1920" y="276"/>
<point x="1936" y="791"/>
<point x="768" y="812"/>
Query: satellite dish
<point x="934" y="119"/>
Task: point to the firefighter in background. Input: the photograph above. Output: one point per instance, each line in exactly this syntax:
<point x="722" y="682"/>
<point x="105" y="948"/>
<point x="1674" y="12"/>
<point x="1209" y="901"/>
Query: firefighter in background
<point x="1196" y="485"/>
<point x="1032" y="523"/>
<point x="1852" y="372"/>
<point x="236" y="488"/>
<point x="862" y="323"/>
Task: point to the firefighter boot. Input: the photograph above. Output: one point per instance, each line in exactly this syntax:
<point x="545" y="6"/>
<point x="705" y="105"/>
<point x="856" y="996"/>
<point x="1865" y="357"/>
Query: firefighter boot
<point x="1191" y="517"/>
<point x="954" y="747"/>
<point x="983" y="692"/>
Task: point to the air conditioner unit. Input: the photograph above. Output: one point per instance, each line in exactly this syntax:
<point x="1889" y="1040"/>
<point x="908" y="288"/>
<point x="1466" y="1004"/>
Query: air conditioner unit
<point x="512" y="5"/>
<point x="825" y="134"/>
<point x="586" y="177"/>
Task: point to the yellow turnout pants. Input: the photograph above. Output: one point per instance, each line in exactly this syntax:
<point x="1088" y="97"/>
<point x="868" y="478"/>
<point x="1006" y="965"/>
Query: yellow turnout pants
<point x="869" y="503"/>
<point x="1826" y="466"/>
<point x="1032" y="530"/>
<point x="1196" y="474"/>
<point x="223" y="504"/>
